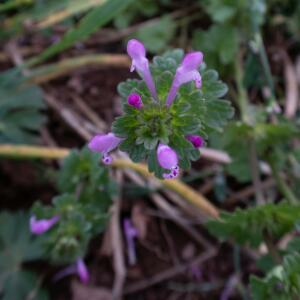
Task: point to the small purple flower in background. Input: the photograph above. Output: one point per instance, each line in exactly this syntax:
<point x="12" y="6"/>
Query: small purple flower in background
<point x="130" y="234"/>
<point x="137" y="52"/>
<point x="40" y="226"/>
<point x="196" y="140"/>
<point x="135" y="100"/>
<point x="186" y="72"/>
<point x="82" y="271"/>
<point x="167" y="159"/>
<point x="104" y="144"/>
<point x="196" y="272"/>
<point x="78" y="268"/>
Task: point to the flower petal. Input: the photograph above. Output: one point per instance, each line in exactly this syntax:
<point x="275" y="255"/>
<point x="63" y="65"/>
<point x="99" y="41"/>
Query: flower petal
<point x="40" y="226"/>
<point x="186" y="72"/>
<point x="82" y="271"/>
<point x="196" y="140"/>
<point x="104" y="143"/>
<point x="137" y="52"/>
<point x="166" y="157"/>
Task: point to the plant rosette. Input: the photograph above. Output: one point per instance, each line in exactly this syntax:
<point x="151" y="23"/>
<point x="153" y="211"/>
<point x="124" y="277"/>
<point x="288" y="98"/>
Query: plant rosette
<point x="168" y="114"/>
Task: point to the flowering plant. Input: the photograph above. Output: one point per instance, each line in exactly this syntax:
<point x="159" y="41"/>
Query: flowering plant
<point x="168" y="114"/>
<point x="77" y="214"/>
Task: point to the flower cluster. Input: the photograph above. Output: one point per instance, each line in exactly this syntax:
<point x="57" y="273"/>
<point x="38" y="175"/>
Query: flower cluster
<point x="155" y="124"/>
<point x="41" y="226"/>
<point x="77" y="214"/>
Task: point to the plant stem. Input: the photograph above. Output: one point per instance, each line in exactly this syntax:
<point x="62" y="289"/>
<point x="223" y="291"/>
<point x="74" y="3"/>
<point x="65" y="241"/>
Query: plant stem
<point x="265" y="62"/>
<point x="243" y="102"/>
<point x="271" y="247"/>
<point x="260" y="199"/>
<point x="177" y="186"/>
<point x="282" y="185"/>
<point x="242" y="97"/>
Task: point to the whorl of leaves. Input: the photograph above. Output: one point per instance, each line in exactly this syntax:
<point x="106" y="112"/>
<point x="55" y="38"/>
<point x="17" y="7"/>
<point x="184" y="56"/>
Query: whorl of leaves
<point x="193" y="112"/>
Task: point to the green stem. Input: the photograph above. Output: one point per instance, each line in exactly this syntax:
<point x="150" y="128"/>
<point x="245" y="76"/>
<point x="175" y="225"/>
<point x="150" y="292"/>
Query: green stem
<point x="259" y="195"/>
<point x="282" y="186"/>
<point x="242" y="97"/>
<point x="271" y="248"/>
<point x="265" y="62"/>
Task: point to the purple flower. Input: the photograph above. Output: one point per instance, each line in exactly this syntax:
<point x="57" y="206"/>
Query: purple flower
<point x="40" y="226"/>
<point x="78" y="268"/>
<point x="196" y="140"/>
<point x="167" y="158"/>
<point x="104" y="144"/>
<point x="82" y="271"/>
<point x="130" y="234"/>
<point x="135" y="100"/>
<point x="186" y="72"/>
<point x="137" y="52"/>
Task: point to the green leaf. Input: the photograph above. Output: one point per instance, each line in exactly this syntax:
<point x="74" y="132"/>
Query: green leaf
<point x="23" y="285"/>
<point x="20" y="115"/>
<point x="157" y="35"/>
<point x="281" y="283"/>
<point x="249" y="226"/>
<point x="17" y="245"/>
<point x="219" y="44"/>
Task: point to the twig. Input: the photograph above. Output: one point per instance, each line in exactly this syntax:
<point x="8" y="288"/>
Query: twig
<point x="215" y="155"/>
<point x="230" y="286"/>
<point x="117" y="247"/>
<point x="291" y="87"/>
<point x="165" y="275"/>
<point x="169" y="241"/>
<point x="69" y="116"/>
<point x="174" y="214"/>
<point x="89" y="113"/>
<point x="248" y="191"/>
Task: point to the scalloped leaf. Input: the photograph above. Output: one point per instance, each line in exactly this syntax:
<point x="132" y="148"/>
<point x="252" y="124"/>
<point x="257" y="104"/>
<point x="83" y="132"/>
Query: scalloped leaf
<point x="248" y="226"/>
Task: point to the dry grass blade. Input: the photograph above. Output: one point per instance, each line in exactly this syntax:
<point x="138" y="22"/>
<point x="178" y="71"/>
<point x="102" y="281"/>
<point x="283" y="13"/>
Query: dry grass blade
<point x="291" y="87"/>
<point x="73" y="8"/>
<point x="175" y="185"/>
<point x="52" y="71"/>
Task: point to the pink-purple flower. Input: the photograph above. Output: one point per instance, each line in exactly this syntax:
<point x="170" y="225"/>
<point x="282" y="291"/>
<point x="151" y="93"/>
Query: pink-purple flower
<point x="130" y="234"/>
<point x="167" y="159"/>
<point x="104" y="144"/>
<point x="79" y="268"/>
<point x="82" y="271"/>
<point x="40" y="226"/>
<point x="137" y="52"/>
<point x="135" y="100"/>
<point x="186" y="72"/>
<point x="196" y="140"/>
